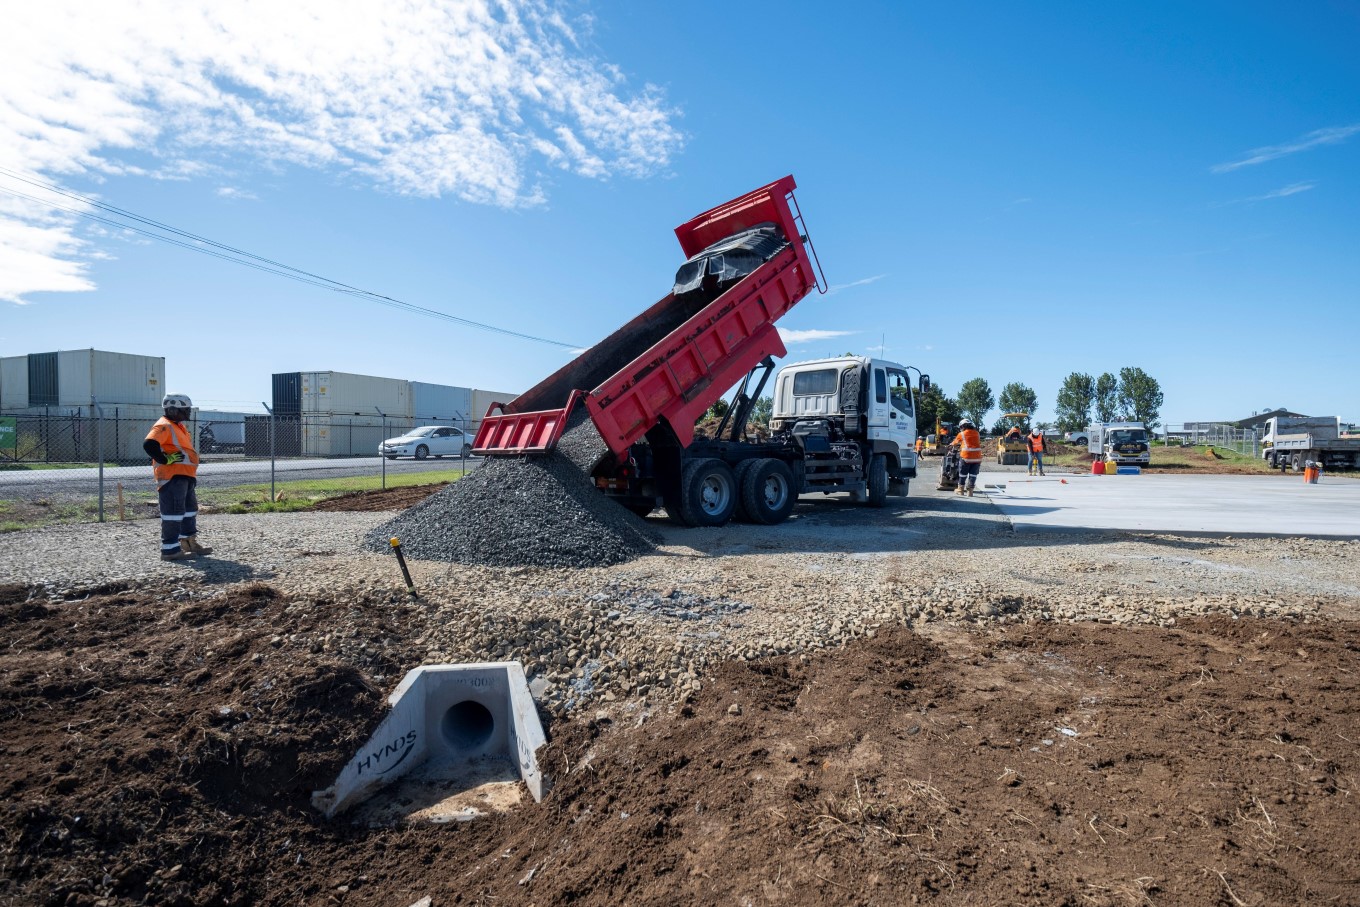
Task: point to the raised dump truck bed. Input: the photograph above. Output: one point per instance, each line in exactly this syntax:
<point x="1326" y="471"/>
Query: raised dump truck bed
<point x="670" y="363"/>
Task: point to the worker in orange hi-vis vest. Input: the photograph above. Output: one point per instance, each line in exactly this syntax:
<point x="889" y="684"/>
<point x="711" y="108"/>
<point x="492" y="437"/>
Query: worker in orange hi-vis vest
<point x="1037" y="448"/>
<point x="969" y="443"/>
<point x="175" y="463"/>
<point x="920" y="445"/>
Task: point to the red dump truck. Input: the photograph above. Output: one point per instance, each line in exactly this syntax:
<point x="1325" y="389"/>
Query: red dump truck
<point x="643" y="388"/>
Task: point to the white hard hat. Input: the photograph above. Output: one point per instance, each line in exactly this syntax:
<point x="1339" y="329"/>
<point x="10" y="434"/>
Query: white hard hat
<point x="178" y="401"/>
<point x="963" y="422"/>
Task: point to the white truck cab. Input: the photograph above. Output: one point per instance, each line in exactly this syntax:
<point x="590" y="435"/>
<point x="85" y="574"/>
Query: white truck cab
<point x="1126" y="443"/>
<point x="870" y="401"/>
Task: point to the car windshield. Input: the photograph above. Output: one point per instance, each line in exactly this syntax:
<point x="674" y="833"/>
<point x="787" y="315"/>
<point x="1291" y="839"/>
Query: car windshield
<point x="1128" y="436"/>
<point x="421" y="432"/>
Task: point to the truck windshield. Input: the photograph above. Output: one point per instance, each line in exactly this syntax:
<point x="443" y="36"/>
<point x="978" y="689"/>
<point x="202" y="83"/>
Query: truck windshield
<point x="1128" y="436"/>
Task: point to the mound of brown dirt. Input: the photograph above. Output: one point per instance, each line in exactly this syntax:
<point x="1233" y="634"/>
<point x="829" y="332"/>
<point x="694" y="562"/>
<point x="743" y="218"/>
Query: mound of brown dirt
<point x="162" y="750"/>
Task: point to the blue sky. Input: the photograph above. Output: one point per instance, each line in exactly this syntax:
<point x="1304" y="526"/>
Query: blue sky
<point x="1000" y="190"/>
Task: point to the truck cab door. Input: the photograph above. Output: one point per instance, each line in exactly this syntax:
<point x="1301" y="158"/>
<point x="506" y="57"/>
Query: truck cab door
<point x="902" y="416"/>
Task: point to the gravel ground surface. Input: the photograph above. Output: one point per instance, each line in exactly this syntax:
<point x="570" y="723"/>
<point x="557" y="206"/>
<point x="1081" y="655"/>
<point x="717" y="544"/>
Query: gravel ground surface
<point x="647" y="631"/>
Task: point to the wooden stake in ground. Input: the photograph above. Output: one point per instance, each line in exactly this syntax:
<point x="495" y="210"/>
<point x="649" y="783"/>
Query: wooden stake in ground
<point x="121" y="515"/>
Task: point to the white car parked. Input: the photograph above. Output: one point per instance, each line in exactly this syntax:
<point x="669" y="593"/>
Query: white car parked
<point x="430" y="441"/>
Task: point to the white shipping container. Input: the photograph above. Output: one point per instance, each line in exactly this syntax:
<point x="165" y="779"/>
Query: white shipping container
<point x="339" y="435"/>
<point x="482" y="399"/>
<point x="345" y="393"/>
<point x="14" y="382"/>
<point x="110" y="378"/>
<point x="440" y="404"/>
<point x="129" y="430"/>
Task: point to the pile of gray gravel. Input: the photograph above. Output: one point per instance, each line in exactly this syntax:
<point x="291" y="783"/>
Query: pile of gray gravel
<point x="539" y="511"/>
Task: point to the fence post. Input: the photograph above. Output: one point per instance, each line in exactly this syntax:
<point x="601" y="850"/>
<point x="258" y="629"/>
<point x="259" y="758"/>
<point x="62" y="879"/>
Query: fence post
<point x="382" y="457"/>
<point x="271" y="451"/>
<point x="99" y="451"/>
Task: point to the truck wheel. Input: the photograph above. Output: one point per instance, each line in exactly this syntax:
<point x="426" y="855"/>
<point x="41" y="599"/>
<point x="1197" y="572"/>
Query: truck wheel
<point x="1296" y="464"/>
<point x="767" y="492"/>
<point x="877" y="494"/>
<point x="708" y="493"/>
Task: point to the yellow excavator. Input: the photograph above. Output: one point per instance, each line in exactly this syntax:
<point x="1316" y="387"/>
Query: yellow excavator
<point x="1011" y="447"/>
<point x="938" y="443"/>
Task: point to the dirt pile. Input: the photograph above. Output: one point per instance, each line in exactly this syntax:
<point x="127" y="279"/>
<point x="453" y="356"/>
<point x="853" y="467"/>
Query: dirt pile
<point x="161" y="750"/>
<point x="539" y="511"/>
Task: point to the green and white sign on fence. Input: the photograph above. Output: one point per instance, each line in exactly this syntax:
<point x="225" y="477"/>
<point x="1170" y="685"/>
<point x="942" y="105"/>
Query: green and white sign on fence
<point x="9" y="431"/>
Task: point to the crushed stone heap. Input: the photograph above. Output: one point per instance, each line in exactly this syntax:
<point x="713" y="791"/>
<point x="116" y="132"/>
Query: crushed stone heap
<point x="539" y="511"/>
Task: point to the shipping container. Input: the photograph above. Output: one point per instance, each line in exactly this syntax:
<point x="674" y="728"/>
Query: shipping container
<point x="481" y="400"/>
<point x="340" y="435"/>
<point x="43" y="383"/>
<point x="14" y="382"/>
<point x="356" y="395"/>
<point x="287" y="397"/>
<point x="109" y="378"/>
<point x="440" y="404"/>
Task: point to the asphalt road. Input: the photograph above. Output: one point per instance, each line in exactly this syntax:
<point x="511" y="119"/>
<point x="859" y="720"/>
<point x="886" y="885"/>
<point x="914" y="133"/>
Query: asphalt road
<point x="17" y="483"/>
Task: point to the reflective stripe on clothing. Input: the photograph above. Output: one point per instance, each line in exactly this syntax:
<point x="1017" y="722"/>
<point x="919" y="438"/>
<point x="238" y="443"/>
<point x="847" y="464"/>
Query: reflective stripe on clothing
<point x="173" y="438"/>
<point x="969" y="443"/>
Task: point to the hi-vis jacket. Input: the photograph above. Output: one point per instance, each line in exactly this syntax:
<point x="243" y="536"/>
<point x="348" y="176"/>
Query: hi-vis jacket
<point x="173" y="439"/>
<point x="969" y="443"/>
<point x="1036" y="443"/>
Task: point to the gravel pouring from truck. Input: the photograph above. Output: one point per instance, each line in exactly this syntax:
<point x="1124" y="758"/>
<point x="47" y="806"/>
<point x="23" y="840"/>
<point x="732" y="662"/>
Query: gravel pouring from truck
<point x="748" y="262"/>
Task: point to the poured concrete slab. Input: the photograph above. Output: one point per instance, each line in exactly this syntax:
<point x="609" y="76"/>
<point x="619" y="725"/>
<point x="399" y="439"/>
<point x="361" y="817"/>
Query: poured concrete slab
<point x="1234" y="505"/>
<point x="458" y="741"/>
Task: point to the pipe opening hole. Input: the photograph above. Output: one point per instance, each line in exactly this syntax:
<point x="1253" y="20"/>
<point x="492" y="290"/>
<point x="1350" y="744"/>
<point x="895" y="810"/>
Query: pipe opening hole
<point x="467" y="725"/>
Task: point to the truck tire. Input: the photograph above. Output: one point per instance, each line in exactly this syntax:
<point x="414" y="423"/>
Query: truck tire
<point x="877" y="492"/>
<point x="708" y="493"/>
<point x="766" y="491"/>
<point x="1296" y="464"/>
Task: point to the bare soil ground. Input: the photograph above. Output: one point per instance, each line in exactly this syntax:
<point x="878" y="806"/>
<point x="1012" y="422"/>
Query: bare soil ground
<point x="389" y="499"/>
<point x="160" y="746"/>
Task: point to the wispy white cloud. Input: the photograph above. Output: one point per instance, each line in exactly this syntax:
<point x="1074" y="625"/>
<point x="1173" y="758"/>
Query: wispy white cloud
<point x="836" y="288"/>
<point x="475" y="99"/>
<point x="1282" y="192"/>
<point x="808" y="336"/>
<point x="235" y="192"/>
<point x="1329" y="136"/>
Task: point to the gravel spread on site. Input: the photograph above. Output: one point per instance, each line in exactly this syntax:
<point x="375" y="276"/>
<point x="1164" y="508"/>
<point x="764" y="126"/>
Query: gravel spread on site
<point x="648" y="631"/>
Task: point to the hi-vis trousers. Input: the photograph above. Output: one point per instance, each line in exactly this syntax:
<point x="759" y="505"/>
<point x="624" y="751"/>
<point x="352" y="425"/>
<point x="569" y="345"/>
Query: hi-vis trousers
<point x="179" y="511"/>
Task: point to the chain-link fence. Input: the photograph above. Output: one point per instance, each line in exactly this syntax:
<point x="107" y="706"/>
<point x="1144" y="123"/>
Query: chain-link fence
<point x="87" y="463"/>
<point x="1245" y="441"/>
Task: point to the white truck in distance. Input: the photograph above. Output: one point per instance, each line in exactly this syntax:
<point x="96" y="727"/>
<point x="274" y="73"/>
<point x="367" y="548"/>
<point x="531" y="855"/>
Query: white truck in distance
<point x="1126" y="443"/>
<point x="1292" y="441"/>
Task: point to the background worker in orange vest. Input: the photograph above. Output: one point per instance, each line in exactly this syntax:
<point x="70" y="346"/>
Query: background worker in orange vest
<point x="969" y="443"/>
<point x="920" y="445"/>
<point x="175" y="463"/>
<point x="1037" y="448"/>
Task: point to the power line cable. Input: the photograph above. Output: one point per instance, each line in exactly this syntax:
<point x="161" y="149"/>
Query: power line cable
<point x="247" y="259"/>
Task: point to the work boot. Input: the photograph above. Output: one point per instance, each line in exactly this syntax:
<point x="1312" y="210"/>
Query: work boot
<point x="959" y="490"/>
<point x="970" y="492"/>
<point x="180" y="555"/>
<point x="195" y="547"/>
